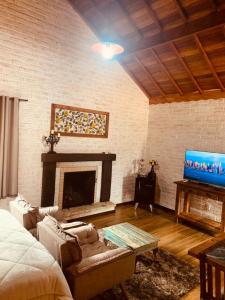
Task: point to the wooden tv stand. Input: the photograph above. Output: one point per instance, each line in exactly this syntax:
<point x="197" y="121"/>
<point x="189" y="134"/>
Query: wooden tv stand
<point x="184" y="189"/>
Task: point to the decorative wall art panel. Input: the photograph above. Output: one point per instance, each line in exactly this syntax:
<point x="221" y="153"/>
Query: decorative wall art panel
<point x="75" y="121"/>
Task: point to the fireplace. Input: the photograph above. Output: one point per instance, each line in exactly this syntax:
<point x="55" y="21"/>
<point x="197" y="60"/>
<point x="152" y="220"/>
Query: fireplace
<point x="78" y="188"/>
<point x="52" y="191"/>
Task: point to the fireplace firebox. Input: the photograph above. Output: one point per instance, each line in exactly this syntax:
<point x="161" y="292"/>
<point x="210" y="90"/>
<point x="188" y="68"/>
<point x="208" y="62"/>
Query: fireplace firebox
<point x="79" y="188"/>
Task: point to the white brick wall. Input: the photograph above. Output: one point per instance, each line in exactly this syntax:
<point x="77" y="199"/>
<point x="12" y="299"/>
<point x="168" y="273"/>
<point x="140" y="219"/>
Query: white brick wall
<point x="175" y="127"/>
<point x="45" y="56"/>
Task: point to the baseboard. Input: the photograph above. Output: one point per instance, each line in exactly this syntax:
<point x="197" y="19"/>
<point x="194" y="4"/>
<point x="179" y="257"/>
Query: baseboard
<point x="156" y="205"/>
<point x="166" y="209"/>
<point x="125" y="203"/>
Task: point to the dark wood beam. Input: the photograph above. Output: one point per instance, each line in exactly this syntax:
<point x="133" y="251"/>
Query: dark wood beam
<point x="211" y="67"/>
<point x="149" y="75"/>
<point x="157" y="58"/>
<point x="128" y="17"/>
<point x="102" y="36"/>
<point x="206" y="95"/>
<point x="153" y="15"/>
<point x="186" y="67"/>
<point x="181" y="10"/>
<point x="136" y="80"/>
<point x="215" y="19"/>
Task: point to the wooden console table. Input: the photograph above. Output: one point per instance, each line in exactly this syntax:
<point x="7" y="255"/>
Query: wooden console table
<point x="185" y="189"/>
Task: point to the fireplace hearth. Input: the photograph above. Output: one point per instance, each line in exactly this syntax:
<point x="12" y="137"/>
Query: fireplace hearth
<point x="79" y="188"/>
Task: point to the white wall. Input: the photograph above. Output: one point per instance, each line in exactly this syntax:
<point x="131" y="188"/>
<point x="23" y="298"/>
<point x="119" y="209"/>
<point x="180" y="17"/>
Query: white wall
<point x="46" y="57"/>
<point x="175" y="127"/>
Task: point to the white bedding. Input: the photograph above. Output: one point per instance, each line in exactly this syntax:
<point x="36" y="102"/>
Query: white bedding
<point x="27" y="270"/>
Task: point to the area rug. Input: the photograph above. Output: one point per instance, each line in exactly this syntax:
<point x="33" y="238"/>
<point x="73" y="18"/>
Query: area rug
<point x="166" y="278"/>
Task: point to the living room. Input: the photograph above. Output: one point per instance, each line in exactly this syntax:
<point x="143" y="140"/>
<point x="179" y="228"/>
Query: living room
<point x="46" y="57"/>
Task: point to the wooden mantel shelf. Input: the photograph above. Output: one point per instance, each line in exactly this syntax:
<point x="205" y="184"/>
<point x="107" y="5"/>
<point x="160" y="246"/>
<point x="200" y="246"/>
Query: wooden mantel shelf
<point x="71" y="157"/>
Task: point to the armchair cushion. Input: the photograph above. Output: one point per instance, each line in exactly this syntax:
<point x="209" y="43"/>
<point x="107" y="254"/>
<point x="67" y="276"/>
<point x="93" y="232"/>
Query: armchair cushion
<point x="86" y="234"/>
<point x="92" y="262"/>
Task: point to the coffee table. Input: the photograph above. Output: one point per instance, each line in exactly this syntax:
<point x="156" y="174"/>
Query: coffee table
<point x="128" y="235"/>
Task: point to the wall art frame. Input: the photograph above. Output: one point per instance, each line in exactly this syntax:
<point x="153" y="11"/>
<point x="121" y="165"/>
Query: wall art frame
<point x="80" y="122"/>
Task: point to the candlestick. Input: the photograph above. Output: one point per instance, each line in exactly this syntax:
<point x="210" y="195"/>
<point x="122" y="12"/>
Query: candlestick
<point x="51" y="140"/>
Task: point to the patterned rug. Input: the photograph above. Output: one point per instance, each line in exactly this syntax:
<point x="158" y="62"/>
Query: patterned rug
<point x="166" y="278"/>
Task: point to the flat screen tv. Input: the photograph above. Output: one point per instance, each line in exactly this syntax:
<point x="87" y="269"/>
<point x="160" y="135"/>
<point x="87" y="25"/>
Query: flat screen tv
<point x="205" y="167"/>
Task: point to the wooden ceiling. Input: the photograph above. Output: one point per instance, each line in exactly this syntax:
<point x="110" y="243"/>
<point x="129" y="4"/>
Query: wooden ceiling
<point x="174" y="49"/>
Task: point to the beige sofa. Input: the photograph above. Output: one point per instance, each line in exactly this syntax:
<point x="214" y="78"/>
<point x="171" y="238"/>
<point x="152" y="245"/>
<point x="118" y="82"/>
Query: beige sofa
<point x="29" y="215"/>
<point x="88" y="264"/>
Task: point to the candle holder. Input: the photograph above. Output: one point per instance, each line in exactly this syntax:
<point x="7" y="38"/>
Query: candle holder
<point x="51" y="140"/>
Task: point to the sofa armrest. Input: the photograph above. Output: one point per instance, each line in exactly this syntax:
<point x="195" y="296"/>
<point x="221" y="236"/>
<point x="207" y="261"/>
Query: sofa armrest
<point x="22" y="215"/>
<point x="98" y="260"/>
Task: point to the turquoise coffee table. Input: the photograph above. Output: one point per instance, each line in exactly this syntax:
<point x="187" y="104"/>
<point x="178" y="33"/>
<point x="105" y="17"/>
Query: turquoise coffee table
<point x="128" y="235"/>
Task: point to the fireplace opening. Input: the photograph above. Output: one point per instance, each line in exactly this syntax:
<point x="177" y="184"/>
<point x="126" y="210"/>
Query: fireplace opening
<point x="79" y="188"/>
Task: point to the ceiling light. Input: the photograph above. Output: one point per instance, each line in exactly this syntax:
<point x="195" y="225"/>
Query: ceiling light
<point x="107" y="49"/>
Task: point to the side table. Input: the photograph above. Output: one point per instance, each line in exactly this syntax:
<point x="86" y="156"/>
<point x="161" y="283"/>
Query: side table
<point x="145" y="190"/>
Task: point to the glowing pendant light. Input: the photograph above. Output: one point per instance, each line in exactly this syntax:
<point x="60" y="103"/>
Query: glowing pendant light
<point x="107" y="49"/>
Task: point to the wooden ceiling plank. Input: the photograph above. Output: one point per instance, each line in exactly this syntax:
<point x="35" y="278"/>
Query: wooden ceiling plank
<point x="215" y="19"/>
<point x="218" y="80"/>
<point x="153" y="15"/>
<point x="181" y="9"/>
<point x="150" y="76"/>
<point x="136" y="80"/>
<point x="173" y="45"/>
<point x="214" y="4"/>
<point x="156" y="56"/>
<point x="128" y="17"/>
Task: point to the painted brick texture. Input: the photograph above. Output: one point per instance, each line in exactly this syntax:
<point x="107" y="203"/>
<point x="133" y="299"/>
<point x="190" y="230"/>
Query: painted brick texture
<point x="45" y="56"/>
<point x="175" y="127"/>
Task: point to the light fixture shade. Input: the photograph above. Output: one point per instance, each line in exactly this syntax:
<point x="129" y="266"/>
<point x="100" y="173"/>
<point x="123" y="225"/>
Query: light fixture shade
<point x="107" y="49"/>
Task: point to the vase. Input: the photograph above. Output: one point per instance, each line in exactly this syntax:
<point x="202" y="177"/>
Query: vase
<point x="152" y="172"/>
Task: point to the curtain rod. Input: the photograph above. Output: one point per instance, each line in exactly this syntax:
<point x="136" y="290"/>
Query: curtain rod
<point x="23" y="100"/>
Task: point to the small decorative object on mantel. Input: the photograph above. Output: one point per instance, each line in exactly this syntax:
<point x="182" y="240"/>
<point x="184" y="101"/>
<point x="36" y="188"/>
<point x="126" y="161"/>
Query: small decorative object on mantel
<point x="51" y="140"/>
<point x="81" y="122"/>
<point x="141" y="167"/>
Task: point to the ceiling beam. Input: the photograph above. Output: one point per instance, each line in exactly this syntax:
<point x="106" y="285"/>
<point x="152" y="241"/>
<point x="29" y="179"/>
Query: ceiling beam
<point x="211" y="67"/>
<point x="186" y="67"/>
<point x="215" y="19"/>
<point x="128" y="17"/>
<point x="188" y="97"/>
<point x="149" y="75"/>
<point x="136" y="80"/>
<point x="157" y="58"/>
<point x="181" y="9"/>
<point x="153" y="15"/>
<point x="95" y="29"/>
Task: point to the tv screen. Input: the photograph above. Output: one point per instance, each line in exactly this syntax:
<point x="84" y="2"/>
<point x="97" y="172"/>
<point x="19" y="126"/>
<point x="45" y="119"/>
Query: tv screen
<point x="205" y="167"/>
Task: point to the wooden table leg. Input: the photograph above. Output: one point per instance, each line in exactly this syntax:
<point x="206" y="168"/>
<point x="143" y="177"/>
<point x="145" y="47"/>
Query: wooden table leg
<point x="155" y="252"/>
<point x="223" y="218"/>
<point x="178" y="203"/>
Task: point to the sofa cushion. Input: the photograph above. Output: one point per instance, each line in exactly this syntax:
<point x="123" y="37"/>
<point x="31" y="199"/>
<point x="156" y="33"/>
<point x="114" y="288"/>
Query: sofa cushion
<point x="50" y="210"/>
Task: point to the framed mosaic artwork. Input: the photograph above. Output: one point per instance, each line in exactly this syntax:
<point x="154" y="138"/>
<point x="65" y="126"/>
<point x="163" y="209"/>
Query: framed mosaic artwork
<point x="76" y="121"/>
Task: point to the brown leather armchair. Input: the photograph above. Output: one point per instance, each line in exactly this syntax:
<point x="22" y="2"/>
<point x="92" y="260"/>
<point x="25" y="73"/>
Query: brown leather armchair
<point x="90" y="267"/>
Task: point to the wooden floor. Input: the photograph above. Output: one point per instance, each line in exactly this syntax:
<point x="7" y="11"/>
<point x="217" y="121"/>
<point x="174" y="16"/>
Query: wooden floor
<point x="175" y="238"/>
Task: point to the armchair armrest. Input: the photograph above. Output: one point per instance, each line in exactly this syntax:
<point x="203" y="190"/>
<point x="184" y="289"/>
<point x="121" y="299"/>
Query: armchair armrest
<point x="98" y="260"/>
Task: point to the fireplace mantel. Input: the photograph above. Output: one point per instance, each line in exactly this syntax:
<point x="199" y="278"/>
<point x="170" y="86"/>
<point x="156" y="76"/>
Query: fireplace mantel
<point x="49" y="172"/>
